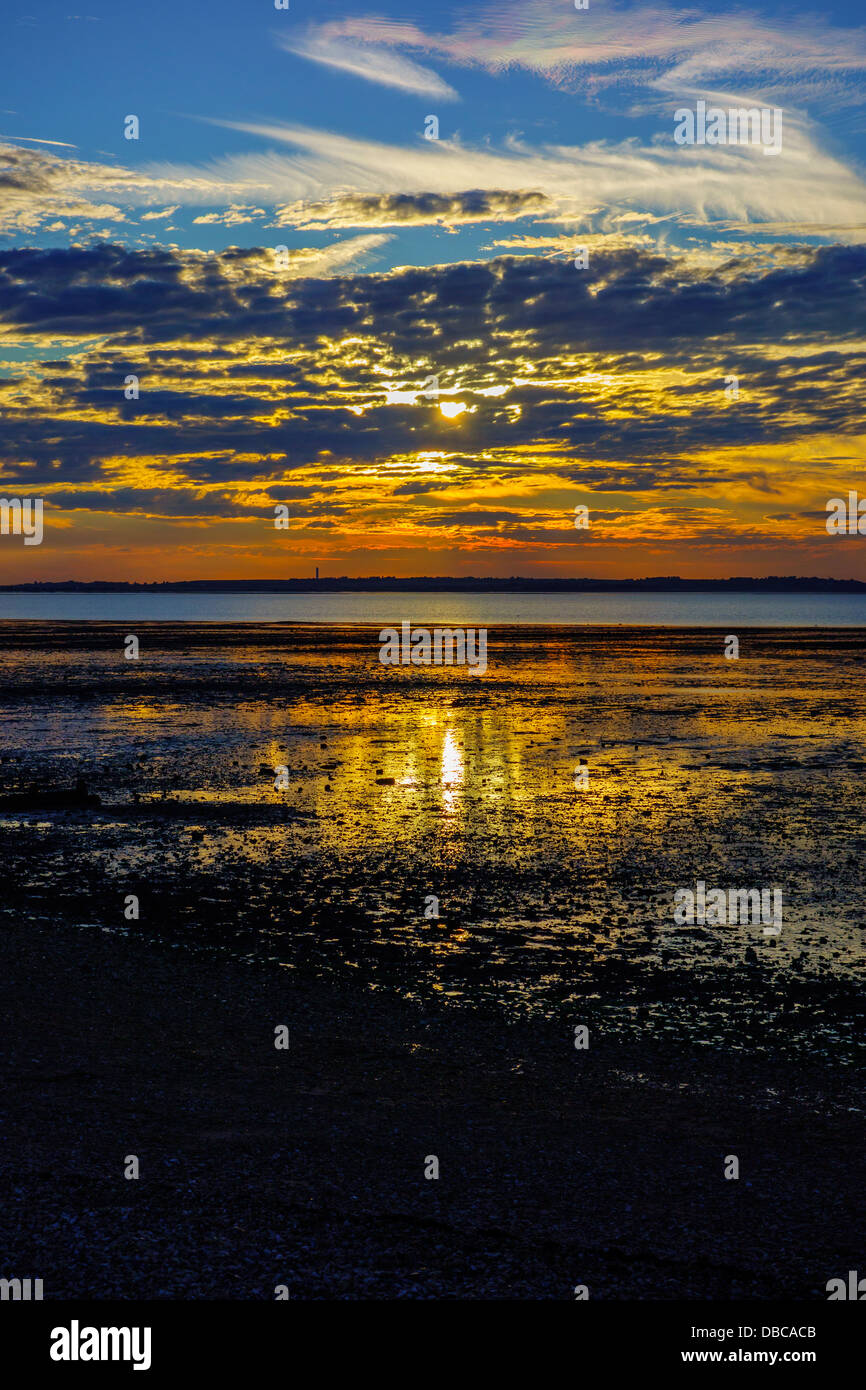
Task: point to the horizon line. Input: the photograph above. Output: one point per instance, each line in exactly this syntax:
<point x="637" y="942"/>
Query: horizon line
<point x="468" y="583"/>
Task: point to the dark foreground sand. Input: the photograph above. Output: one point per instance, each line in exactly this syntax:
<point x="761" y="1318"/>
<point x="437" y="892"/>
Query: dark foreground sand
<point x="260" y="1167"/>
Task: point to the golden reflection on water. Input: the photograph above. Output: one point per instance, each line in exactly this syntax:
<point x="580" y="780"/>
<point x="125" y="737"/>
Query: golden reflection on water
<point x="672" y="737"/>
<point x="403" y="764"/>
<point x="411" y="776"/>
<point x="452" y="771"/>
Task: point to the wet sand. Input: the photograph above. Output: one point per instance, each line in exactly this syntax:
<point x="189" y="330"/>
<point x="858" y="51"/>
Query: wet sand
<point x="414" y="1036"/>
<point x="306" y="1167"/>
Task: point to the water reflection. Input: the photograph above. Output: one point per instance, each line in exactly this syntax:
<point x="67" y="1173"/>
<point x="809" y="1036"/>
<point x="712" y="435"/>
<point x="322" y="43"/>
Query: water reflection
<point x="414" y="782"/>
<point x="452" y="772"/>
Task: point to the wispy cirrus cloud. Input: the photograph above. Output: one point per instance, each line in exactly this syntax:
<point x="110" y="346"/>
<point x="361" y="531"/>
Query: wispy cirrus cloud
<point x="807" y="185"/>
<point x="33" y="140"/>
<point x="658" y="46"/>
<point x="371" y="63"/>
<point x="333" y="180"/>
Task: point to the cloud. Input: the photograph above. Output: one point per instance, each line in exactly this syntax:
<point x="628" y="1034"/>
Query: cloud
<point x="657" y="47"/>
<point x="696" y="182"/>
<point x="418" y="209"/>
<point x="232" y="217"/>
<point x="330" y="259"/>
<point x="329" y="179"/>
<point x="370" y="63"/>
<point x="610" y="378"/>
<point x="36" y="188"/>
<point x="32" y="140"/>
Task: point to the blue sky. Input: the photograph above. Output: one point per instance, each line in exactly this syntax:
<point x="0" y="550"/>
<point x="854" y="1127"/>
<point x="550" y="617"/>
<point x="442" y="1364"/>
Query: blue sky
<point x="509" y="83"/>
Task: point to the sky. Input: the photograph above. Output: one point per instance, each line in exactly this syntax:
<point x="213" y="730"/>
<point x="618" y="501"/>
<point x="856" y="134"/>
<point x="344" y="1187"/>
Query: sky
<point x="441" y="281"/>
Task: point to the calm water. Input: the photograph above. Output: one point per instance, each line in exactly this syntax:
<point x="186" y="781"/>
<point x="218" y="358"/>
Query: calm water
<point x="729" y="611"/>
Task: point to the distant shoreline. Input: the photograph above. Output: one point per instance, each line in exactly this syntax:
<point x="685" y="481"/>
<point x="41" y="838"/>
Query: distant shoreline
<point x="788" y="584"/>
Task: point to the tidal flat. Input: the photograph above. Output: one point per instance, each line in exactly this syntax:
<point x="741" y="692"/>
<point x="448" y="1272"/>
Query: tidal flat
<point x="409" y="792"/>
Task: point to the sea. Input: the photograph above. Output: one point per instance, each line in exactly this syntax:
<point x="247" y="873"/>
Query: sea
<point x="724" y="610"/>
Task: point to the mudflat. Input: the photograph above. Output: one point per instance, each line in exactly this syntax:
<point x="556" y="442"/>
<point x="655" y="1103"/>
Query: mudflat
<point x="432" y="902"/>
